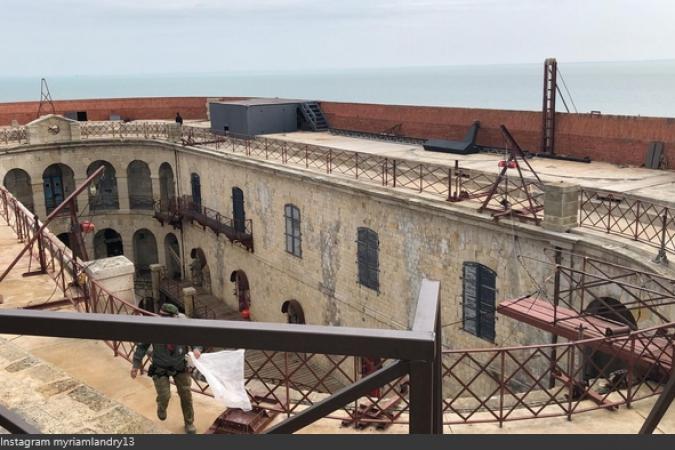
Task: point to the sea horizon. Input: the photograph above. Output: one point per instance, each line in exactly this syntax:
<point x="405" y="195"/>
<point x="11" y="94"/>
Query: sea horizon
<point x="640" y="88"/>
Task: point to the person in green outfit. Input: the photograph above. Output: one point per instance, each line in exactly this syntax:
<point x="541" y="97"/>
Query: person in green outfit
<point x="168" y="360"/>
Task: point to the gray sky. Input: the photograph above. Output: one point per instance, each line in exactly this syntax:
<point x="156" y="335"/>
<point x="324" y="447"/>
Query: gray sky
<point x="77" y="37"/>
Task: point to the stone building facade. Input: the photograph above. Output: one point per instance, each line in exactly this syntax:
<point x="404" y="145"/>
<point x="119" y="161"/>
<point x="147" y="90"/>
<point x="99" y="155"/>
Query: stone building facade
<point x="416" y="237"/>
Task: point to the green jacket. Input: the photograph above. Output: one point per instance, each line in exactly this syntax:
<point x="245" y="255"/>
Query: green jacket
<point x="162" y="357"/>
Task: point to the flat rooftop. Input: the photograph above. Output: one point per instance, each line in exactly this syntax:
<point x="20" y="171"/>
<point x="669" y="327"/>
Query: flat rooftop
<point x="657" y="185"/>
<point x="260" y="101"/>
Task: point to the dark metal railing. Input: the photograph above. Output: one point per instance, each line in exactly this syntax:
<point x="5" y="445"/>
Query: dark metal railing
<point x="184" y="208"/>
<point x="640" y="220"/>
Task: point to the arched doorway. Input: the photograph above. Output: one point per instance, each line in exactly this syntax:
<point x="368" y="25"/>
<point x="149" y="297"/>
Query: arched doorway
<point x="17" y="181"/>
<point x="58" y="182"/>
<point x="241" y="289"/>
<point x="199" y="271"/>
<point x="105" y="195"/>
<point x="173" y="261"/>
<point x="238" y="212"/>
<point x="145" y="252"/>
<point x="167" y="187"/>
<point x="294" y="312"/>
<point x="140" y="185"/>
<point x="65" y="238"/>
<point x="196" y="185"/>
<point x="599" y="364"/>
<point x="107" y="243"/>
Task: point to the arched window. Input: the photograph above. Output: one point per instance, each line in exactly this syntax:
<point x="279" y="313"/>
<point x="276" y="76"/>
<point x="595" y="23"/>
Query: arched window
<point x="478" y="300"/>
<point x="293" y="235"/>
<point x="238" y="212"/>
<point x="293" y="311"/>
<point x="58" y="182"/>
<point x="167" y="188"/>
<point x="105" y="195"/>
<point x="367" y="255"/>
<point x="17" y="181"/>
<point x="145" y="252"/>
<point x="107" y="243"/>
<point x="140" y="185"/>
<point x="173" y="258"/>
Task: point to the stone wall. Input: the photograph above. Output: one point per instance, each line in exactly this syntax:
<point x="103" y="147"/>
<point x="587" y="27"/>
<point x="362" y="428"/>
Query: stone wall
<point x="417" y="238"/>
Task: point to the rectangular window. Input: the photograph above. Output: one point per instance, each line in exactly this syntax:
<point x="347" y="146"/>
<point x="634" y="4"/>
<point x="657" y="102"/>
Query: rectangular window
<point x="293" y="235"/>
<point x="478" y="296"/>
<point x="368" y="258"/>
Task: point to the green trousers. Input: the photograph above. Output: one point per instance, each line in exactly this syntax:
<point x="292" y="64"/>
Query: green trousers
<point x="183" y="383"/>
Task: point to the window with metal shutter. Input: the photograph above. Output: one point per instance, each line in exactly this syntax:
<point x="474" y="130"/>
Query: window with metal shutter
<point x="478" y="297"/>
<point x="293" y="235"/>
<point x="368" y="258"/>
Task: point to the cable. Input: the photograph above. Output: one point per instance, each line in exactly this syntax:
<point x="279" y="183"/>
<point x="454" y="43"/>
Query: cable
<point x="568" y="91"/>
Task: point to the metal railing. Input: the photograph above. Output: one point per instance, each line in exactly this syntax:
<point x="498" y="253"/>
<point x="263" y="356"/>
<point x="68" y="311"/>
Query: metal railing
<point x="325" y="353"/>
<point x="478" y="385"/>
<point x="639" y="220"/>
<point x="180" y="208"/>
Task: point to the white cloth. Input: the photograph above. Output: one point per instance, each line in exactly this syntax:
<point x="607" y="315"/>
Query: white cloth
<point x="225" y="373"/>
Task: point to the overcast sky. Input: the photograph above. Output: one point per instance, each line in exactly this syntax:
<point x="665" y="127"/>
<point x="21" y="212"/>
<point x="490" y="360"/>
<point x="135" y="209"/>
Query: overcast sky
<point x="78" y="37"/>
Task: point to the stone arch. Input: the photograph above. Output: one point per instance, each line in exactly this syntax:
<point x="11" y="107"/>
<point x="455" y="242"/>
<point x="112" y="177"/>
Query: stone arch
<point x="172" y="256"/>
<point x="105" y="196"/>
<point x="139" y="181"/>
<point x="600" y="364"/>
<point x="167" y="185"/>
<point x="199" y="270"/>
<point x="145" y="252"/>
<point x="108" y="243"/>
<point x="58" y="182"/>
<point x="242" y="289"/>
<point x="294" y="312"/>
<point x="17" y="181"/>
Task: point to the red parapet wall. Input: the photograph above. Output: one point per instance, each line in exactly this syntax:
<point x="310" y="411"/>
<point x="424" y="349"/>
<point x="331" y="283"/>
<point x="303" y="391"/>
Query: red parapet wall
<point x="615" y="139"/>
<point x="102" y="109"/>
<point x="610" y="138"/>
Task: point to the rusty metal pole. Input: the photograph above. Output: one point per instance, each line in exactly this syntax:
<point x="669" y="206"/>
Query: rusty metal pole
<point x="41" y="250"/>
<point x="556" y="302"/>
<point x="662" y="258"/>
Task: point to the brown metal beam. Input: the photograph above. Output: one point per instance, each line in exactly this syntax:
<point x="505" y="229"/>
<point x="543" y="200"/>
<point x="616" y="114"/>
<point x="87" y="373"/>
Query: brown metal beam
<point x="344" y="396"/>
<point x="397" y="344"/>
<point x="660" y="407"/>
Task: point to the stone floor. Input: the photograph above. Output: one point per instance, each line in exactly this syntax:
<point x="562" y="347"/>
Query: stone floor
<point x="658" y="185"/>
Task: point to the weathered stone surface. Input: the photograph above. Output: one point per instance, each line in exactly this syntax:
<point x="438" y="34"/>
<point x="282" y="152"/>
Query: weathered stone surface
<point x="58" y="387"/>
<point x="91" y="398"/>
<point x="120" y="421"/>
<point x="22" y="364"/>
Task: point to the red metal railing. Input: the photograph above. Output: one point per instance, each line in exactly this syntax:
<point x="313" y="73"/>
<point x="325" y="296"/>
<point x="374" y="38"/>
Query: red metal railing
<point x="504" y="384"/>
<point x="480" y="385"/>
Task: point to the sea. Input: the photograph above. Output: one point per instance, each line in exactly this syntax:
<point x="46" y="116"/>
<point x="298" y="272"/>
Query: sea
<point x="645" y="88"/>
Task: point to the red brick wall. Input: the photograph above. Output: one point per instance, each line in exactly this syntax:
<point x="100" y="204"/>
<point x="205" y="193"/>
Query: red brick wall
<point x="617" y="139"/>
<point x="101" y="109"/>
